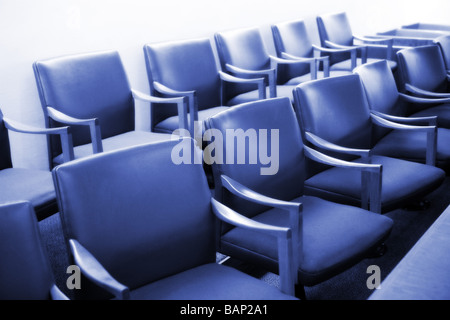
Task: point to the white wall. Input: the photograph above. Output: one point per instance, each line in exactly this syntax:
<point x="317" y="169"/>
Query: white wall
<point x="39" y="29"/>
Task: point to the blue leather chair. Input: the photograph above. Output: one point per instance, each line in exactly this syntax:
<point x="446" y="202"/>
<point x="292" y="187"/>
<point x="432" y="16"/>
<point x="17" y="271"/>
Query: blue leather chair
<point x="25" y="271"/>
<point x="188" y="68"/>
<point x="242" y="52"/>
<point x="423" y="73"/>
<point x="331" y="238"/>
<point x="33" y="185"/>
<point x="91" y="93"/>
<point x="385" y="100"/>
<point x="141" y="225"/>
<point x="444" y="43"/>
<point x="292" y="41"/>
<point x="335" y="32"/>
<point x="334" y="116"/>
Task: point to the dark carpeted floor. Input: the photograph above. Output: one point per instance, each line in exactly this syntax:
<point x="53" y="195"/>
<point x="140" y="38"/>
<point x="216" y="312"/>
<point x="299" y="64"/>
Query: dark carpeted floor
<point x="409" y="225"/>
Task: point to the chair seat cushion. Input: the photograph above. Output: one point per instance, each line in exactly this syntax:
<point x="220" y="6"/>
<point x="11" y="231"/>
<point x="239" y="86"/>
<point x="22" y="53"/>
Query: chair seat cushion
<point x="282" y="91"/>
<point x="127" y="139"/>
<point x="35" y="186"/>
<point x="307" y="77"/>
<point x="402" y="181"/>
<point x="442" y="112"/>
<point x="409" y="145"/>
<point x="335" y="236"/>
<point x="209" y="281"/>
<point x="346" y="64"/>
<point x="170" y="124"/>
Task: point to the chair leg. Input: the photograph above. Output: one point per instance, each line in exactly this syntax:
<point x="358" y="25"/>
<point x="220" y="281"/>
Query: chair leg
<point x="300" y="291"/>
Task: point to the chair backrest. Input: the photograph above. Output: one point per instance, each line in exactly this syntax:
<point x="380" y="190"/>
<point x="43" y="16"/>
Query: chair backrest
<point x="90" y="85"/>
<point x="25" y="270"/>
<point x="380" y="87"/>
<point x="423" y="67"/>
<point x="243" y="48"/>
<point x="444" y="43"/>
<point x="292" y="37"/>
<point x="242" y="128"/>
<point x="5" y="152"/>
<point x="184" y="65"/>
<point x="142" y="215"/>
<point x="335" y="109"/>
<point x="381" y="91"/>
<point x="335" y="27"/>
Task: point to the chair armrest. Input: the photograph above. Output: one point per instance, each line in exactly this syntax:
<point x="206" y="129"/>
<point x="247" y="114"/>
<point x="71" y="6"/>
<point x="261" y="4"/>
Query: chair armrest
<point x="341" y="46"/>
<point x="269" y="73"/>
<point x="93" y="270"/>
<point x="240" y="190"/>
<point x="287" y="58"/>
<point x="334" y="50"/>
<point x="238" y="70"/>
<point x="287" y="243"/>
<point x="430" y="130"/>
<point x="192" y="96"/>
<point x="192" y="102"/>
<point x="430" y="94"/>
<point x="181" y="102"/>
<point x="57" y="294"/>
<point x="148" y="98"/>
<point x="384" y="122"/>
<point x="421" y="100"/>
<point x="172" y="92"/>
<point x="64" y="133"/>
<point x="371" y="177"/>
<point x="321" y="143"/>
<point x="429" y="120"/>
<point x="352" y="50"/>
<point x="388" y="41"/>
<point x="260" y="82"/>
<point x="93" y="123"/>
<point x="232" y="217"/>
<point x="374" y="39"/>
<point x="325" y="159"/>
<point x="66" y="119"/>
<point x="22" y="128"/>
